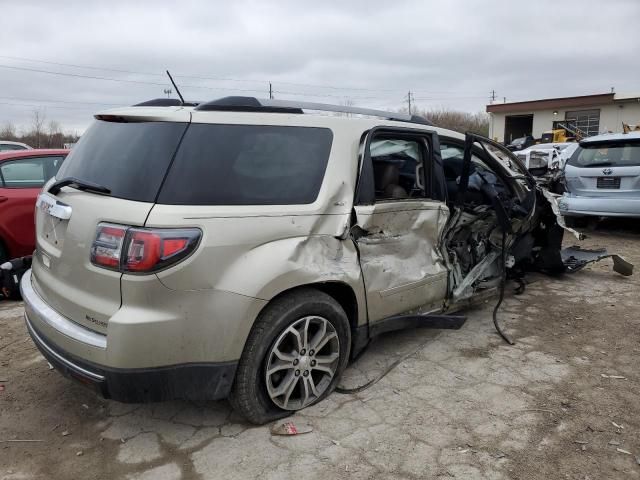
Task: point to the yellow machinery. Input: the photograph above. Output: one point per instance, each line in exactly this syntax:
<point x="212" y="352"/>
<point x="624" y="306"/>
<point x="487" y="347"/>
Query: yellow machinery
<point x="559" y="135"/>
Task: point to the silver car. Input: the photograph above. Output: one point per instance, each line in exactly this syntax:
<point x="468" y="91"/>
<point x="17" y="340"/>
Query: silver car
<point x="603" y="177"/>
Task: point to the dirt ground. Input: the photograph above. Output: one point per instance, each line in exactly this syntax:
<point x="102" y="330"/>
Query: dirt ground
<point x="561" y="403"/>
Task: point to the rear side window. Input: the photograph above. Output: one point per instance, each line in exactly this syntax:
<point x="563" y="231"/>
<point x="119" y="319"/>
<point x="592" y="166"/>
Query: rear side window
<point x="129" y="158"/>
<point x="30" y="172"/>
<point x="618" y="154"/>
<point x="248" y="165"/>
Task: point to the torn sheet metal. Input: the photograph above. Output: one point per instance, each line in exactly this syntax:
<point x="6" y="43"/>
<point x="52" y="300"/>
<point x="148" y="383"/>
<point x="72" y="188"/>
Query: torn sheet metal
<point x="576" y="258"/>
<point x="466" y="288"/>
<point x="553" y="200"/>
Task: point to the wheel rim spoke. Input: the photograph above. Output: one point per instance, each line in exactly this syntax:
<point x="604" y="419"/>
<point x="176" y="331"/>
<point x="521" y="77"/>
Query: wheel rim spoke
<point x="297" y="336"/>
<point x="323" y="368"/>
<point x="312" y="385"/>
<point x="315" y="341"/>
<point x="332" y="357"/>
<point x="279" y="367"/>
<point x="289" y="391"/>
<point x="323" y="341"/>
<point x="285" y="384"/>
<point x="285" y="357"/>
<point x="305" y="336"/>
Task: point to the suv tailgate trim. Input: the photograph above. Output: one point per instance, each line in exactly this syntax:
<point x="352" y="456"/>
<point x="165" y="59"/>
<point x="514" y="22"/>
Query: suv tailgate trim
<point x="52" y="318"/>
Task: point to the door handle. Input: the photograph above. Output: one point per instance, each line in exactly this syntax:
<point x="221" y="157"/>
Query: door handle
<point x="3" y="199"/>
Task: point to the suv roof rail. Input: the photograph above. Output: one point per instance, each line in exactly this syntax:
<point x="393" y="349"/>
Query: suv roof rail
<point x="166" y="102"/>
<point x="252" y="104"/>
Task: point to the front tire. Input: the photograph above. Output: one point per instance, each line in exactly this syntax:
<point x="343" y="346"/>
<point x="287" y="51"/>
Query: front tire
<point x="294" y="356"/>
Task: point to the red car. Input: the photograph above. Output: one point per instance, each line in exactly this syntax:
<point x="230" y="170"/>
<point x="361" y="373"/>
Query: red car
<point x="22" y="174"/>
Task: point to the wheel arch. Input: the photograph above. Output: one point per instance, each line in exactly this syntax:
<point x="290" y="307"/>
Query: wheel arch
<point x="340" y="291"/>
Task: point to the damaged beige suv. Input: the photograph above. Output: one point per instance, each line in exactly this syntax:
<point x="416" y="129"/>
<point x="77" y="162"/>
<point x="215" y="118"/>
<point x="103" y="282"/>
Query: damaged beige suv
<point x="248" y="248"/>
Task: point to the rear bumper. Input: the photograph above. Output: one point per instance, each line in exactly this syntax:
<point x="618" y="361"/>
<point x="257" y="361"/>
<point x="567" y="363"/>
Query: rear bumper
<point x="190" y="382"/>
<point x="52" y="332"/>
<point x="598" y="206"/>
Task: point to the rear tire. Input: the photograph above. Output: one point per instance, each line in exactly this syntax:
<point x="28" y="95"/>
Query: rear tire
<point x="274" y="343"/>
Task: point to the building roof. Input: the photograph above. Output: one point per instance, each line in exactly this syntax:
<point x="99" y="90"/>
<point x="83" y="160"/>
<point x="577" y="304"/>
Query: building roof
<point x="552" y="103"/>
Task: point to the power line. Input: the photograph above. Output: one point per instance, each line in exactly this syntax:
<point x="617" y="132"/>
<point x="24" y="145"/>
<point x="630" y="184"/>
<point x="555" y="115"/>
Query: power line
<point x="60" y="101"/>
<point x="446" y="98"/>
<point x="140" y="82"/>
<point x="33" y="105"/>
<point x="218" y="78"/>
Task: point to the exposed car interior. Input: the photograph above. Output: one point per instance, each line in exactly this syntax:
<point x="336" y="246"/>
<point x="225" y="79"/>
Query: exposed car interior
<point x="397" y="168"/>
<point x="474" y="234"/>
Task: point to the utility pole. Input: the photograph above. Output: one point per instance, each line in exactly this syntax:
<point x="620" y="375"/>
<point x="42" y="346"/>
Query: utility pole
<point x="493" y="95"/>
<point x="409" y="100"/>
<point x="270" y="91"/>
<point x="168" y="92"/>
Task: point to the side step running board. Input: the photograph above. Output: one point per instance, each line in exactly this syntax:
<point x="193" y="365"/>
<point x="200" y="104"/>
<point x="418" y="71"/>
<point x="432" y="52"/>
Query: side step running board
<point x="401" y="322"/>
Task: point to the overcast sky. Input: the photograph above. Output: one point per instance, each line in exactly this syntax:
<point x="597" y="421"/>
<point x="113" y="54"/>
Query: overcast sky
<point x="449" y="53"/>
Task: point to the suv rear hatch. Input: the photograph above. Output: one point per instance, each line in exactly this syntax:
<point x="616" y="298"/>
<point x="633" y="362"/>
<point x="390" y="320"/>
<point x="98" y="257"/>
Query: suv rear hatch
<point x="605" y="168"/>
<point x="127" y="157"/>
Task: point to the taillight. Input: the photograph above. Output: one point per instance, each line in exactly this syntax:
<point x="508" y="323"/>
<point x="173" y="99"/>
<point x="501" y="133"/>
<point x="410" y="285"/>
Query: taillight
<point x="107" y="247"/>
<point x="142" y="250"/>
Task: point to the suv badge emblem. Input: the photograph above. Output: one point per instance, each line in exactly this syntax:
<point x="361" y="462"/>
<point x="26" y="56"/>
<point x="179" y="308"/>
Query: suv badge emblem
<point x="607" y="171"/>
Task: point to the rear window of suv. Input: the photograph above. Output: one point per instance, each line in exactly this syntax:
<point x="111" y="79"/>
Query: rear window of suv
<point x="248" y="165"/>
<point x="129" y="158"/>
<point x="614" y="154"/>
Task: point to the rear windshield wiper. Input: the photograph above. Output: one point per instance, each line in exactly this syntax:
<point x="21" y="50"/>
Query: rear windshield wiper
<point x="79" y="184"/>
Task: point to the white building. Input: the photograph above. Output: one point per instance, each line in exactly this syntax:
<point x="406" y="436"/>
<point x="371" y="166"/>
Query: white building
<point x="592" y="114"/>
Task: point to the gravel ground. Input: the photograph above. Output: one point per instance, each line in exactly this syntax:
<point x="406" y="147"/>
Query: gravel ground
<point x="465" y="405"/>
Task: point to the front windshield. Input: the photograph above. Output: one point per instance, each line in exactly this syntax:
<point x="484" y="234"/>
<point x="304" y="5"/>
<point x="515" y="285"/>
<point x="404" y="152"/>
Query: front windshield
<point x="518" y="141"/>
<point x="618" y="154"/>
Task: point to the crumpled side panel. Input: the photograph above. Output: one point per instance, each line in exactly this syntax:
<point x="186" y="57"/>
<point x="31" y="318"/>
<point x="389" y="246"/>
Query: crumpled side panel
<point x="400" y="258"/>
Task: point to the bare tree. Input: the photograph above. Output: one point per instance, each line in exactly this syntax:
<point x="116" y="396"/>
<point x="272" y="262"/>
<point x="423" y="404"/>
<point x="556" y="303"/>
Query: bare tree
<point x="54" y="135"/>
<point x="459" y="121"/>
<point x="37" y="135"/>
<point x="8" y="131"/>
<point x="37" y="126"/>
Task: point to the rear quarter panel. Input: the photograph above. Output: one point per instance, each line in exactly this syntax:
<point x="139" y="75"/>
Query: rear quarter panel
<point x="262" y="250"/>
